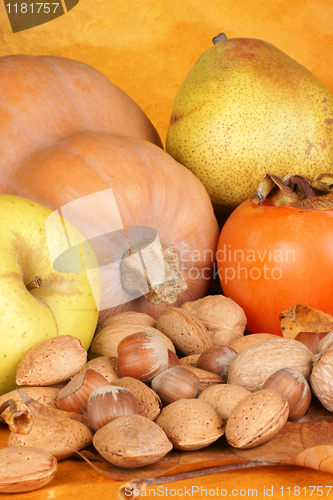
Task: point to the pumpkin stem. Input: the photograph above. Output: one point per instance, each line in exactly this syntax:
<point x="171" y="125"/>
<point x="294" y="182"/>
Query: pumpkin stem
<point x="151" y="268"/>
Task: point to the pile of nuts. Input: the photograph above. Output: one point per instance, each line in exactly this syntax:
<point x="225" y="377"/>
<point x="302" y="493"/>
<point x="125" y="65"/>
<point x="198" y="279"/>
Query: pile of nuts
<point x="180" y="382"/>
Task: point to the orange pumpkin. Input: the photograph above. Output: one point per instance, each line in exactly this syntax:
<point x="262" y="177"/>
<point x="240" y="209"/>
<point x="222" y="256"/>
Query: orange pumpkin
<point x="69" y="133"/>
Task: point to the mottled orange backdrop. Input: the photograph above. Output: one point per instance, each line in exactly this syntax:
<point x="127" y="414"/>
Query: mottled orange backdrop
<point x="148" y="46"/>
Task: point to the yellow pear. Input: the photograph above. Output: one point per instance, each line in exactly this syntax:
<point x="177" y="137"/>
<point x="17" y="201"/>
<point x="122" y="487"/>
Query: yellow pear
<point x="247" y="108"/>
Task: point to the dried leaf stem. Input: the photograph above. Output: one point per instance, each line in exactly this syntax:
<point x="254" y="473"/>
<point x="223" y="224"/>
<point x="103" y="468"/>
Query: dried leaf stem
<point x="141" y="484"/>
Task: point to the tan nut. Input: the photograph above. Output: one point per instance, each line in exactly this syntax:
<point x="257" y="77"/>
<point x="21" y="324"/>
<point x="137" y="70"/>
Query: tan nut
<point x="188" y="334"/>
<point x="105" y="343"/>
<point x="132" y="441"/>
<point x="51" y="361"/>
<point x="256" y="419"/>
<point x="56" y="435"/>
<point x="254" y="338"/>
<point x="190" y="424"/>
<point x="107" y="366"/>
<point x="127" y="317"/>
<point x="44" y="395"/>
<point x="256" y="362"/>
<point x="25" y="468"/>
<point x="224" y="318"/>
<point x="321" y="380"/>
<point x="223" y="398"/>
<point x="149" y="402"/>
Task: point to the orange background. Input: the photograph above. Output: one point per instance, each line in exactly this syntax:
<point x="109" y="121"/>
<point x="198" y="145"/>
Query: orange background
<point x="148" y="46"/>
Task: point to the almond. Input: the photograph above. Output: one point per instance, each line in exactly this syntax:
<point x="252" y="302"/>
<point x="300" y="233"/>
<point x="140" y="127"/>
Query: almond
<point x="256" y="362"/>
<point x="188" y="334"/>
<point x="223" y="398"/>
<point x="254" y="338"/>
<point x="132" y="441"/>
<point x="190" y="360"/>
<point x="190" y="424"/>
<point x="206" y="378"/>
<point x="51" y="361"/>
<point x="127" y="317"/>
<point x="56" y="435"/>
<point x="108" y="366"/>
<point x="256" y="419"/>
<point x="25" y="468"/>
<point x="149" y="402"/>
<point x="105" y="343"/>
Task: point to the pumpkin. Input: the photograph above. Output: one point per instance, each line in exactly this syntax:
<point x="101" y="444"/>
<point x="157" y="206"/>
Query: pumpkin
<point x="75" y="142"/>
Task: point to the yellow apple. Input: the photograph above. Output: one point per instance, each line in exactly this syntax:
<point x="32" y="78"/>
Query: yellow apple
<point x="49" y="283"/>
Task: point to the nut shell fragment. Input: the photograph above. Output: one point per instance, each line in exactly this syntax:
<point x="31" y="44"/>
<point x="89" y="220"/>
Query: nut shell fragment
<point x="45" y="395"/>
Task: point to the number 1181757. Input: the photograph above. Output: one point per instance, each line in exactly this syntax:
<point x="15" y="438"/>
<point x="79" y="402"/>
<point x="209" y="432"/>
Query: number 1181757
<point x="304" y="491"/>
<point x="25" y="8"/>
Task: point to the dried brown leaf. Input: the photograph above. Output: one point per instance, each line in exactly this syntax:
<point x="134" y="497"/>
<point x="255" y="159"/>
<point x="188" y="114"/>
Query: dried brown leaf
<point x="275" y="190"/>
<point x="302" y="318"/>
<point x="324" y="202"/>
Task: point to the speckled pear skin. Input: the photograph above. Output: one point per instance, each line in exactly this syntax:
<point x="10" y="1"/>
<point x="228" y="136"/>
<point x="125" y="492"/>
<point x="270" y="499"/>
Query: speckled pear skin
<point x="247" y="108"/>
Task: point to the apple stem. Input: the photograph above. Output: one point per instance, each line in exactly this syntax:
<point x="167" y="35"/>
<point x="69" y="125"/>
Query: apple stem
<point x="35" y="283"/>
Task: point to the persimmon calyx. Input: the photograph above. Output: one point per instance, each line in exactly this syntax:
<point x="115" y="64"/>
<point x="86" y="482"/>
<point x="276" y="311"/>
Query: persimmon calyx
<point x="155" y="265"/>
<point x="297" y="191"/>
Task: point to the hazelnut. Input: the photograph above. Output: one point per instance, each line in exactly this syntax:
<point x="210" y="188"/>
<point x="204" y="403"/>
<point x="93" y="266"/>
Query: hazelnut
<point x="292" y="385"/>
<point x="109" y="402"/>
<point x="311" y="339"/>
<point x="142" y="355"/>
<point x="176" y="383"/>
<point x="217" y="360"/>
<point x="74" y="396"/>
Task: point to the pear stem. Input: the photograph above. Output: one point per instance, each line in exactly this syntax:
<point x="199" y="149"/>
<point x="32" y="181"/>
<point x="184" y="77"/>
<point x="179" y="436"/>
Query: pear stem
<point x="219" y="38"/>
<point x="34" y="283"/>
